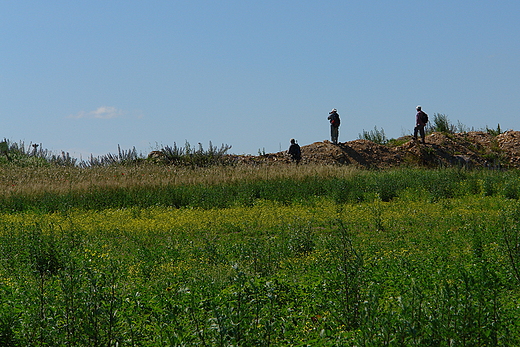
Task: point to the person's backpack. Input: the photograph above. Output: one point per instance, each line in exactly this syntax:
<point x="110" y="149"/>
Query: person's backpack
<point x="295" y="151"/>
<point x="298" y="154"/>
<point x="424" y="117"/>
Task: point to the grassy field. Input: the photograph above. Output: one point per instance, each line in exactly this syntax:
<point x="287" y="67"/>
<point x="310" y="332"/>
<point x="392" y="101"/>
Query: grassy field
<point x="274" y="255"/>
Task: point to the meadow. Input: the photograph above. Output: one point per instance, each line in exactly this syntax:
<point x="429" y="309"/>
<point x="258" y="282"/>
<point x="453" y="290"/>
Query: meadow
<point x="267" y="255"/>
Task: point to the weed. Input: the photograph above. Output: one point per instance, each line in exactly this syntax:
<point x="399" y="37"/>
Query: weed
<point x="511" y="236"/>
<point x="301" y="240"/>
<point x="346" y="279"/>
<point x="8" y="327"/>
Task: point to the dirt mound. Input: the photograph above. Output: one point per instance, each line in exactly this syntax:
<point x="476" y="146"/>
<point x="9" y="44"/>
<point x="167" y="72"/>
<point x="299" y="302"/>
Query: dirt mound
<point x="471" y="149"/>
<point x="359" y="152"/>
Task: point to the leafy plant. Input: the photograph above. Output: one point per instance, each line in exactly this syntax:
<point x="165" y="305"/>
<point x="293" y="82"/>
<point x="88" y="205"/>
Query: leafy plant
<point x="301" y="240"/>
<point x="511" y="236"/>
<point x="349" y="281"/>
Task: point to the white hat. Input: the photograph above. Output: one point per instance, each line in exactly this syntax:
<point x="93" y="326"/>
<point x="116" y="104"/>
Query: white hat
<point x="418" y="108"/>
<point x="333" y="110"/>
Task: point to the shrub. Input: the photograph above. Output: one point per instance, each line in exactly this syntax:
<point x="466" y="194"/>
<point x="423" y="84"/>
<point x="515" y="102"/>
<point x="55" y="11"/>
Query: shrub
<point x="19" y="154"/>
<point x="188" y="155"/>
<point x="376" y="136"/>
<point x="121" y="158"/>
<point x="442" y="124"/>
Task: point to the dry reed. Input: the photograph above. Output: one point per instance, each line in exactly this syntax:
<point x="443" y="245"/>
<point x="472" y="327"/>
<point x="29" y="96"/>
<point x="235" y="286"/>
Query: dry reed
<point x="37" y="180"/>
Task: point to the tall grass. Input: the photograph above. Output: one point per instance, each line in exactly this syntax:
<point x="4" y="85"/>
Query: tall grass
<point x="53" y="189"/>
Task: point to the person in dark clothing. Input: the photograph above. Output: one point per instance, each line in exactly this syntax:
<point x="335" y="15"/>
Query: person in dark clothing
<point x="419" y="124"/>
<point x="334" y="125"/>
<point x="295" y="151"/>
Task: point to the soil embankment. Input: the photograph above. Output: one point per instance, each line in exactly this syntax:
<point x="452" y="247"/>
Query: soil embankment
<point x="471" y="149"/>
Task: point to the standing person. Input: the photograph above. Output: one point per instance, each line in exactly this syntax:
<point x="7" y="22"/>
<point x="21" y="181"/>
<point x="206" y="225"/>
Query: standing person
<point x="334" y="125"/>
<point x="421" y="119"/>
<point x="295" y="151"/>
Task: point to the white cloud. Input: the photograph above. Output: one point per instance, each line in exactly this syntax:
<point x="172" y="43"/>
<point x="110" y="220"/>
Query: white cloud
<point x="103" y="112"/>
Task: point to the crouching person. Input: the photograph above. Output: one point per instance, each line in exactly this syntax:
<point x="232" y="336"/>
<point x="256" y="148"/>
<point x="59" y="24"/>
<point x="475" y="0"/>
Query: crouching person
<point x="295" y="151"/>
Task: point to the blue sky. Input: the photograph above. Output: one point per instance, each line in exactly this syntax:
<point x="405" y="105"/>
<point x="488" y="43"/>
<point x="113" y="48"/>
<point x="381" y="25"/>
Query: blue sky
<point x="86" y="76"/>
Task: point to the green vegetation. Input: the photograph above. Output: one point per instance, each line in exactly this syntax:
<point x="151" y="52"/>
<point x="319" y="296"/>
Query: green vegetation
<point x="376" y="136"/>
<point x="267" y="255"/>
<point x="19" y="155"/>
<point x="441" y="124"/>
<point x="195" y="156"/>
<point x="494" y="132"/>
<point x="223" y="187"/>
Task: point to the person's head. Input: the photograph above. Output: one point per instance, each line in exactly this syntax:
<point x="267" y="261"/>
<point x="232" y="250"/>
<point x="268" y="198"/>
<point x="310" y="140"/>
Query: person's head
<point x="293" y="141"/>
<point x="333" y="111"/>
<point x="418" y="108"/>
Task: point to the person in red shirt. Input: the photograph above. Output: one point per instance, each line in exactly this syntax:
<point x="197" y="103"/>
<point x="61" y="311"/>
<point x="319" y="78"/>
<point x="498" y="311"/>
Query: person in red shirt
<point x="334" y="125"/>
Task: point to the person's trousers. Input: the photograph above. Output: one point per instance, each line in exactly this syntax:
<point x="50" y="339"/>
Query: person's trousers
<point x="334" y="134"/>
<point x="419" y="129"/>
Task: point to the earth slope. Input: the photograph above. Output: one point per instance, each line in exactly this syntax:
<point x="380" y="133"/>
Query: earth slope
<point x="471" y="149"/>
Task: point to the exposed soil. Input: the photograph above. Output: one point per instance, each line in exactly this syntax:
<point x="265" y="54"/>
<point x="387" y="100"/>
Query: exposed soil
<point x="471" y="149"/>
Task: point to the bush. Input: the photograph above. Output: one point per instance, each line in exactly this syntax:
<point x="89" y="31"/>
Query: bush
<point x="32" y="155"/>
<point x="376" y="136"/>
<point x="121" y="158"/>
<point x="442" y="124"/>
<point x="188" y="155"/>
